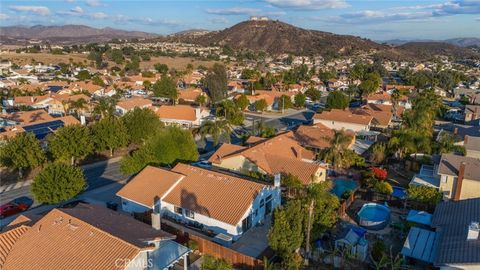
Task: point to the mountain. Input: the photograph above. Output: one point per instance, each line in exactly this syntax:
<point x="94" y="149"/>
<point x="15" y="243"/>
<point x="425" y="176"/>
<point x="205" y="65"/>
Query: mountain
<point x="461" y="42"/>
<point x="277" y="37"/>
<point x="464" y="42"/>
<point x="67" y="34"/>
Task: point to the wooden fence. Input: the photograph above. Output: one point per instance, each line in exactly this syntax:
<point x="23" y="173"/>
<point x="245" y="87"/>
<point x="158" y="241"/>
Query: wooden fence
<point x="238" y="260"/>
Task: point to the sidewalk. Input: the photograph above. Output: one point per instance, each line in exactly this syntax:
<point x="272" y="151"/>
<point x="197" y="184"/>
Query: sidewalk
<point x="25" y="183"/>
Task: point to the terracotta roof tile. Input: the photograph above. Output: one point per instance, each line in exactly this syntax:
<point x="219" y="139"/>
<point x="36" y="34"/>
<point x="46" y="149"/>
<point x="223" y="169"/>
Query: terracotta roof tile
<point x="213" y="194"/>
<point x="150" y="182"/>
<point x="132" y="103"/>
<point x="25" y="117"/>
<point x="84" y="237"/>
<point x="179" y="112"/>
<point x="344" y="116"/>
<point x="8" y="240"/>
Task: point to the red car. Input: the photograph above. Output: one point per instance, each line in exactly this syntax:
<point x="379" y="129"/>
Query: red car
<point x="16" y="206"/>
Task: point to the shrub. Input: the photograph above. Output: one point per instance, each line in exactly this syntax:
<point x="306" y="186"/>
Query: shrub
<point x="379" y="173"/>
<point x="424" y="194"/>
<point x="378" y="249"/>
<point x="383" y="187"/>
<point x="210" y="263"/>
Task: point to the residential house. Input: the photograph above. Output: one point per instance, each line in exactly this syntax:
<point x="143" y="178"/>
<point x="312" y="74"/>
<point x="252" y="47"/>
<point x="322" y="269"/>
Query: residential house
<point x="190" y="94"/>
<point x="382" y="114"/>
<point x="36" y="102"/>
<point x="235" y="87"/>
<point x="124" y="106"/>
<point x="281" y="154"/>
<point x="453" y="240"/>
<point x="40" y="128"/>
<point x="343" y="119"/>
<point x="384" y="98"/>
<point x="458" y="177"/>
<point x="182" y="115"/>
<point x="472" y="115"/>
<point x="217" y="202"/>
<point x="317" y="137"/>
<point x="472" y="146"/>
<point x="87" y="237"/>
<point x="62" y="104"/>
<point x="23" y="117"/>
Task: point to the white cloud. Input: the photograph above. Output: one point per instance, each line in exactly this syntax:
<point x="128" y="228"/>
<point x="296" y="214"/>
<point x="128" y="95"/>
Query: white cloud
<point x="233" y="11"/>
<point x="69" y="1"/>
<point x="4" y="16"/>
<point x="309" y="4"/>
<point x="98" y="15"/>
<point x="77" y="10"/>
<point x="93" y="3"/>
<point x="40" y="10"/>
<point x="219" y="20"/>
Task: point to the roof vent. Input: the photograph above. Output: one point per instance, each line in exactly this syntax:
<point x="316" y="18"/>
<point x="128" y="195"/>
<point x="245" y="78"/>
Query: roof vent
<point x="473" y="231"/>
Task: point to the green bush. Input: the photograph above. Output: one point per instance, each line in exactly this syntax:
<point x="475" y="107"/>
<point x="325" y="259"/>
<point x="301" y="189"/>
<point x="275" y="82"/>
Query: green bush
<point x="210" y="263"/>
<point x="424" y="194"/>
<point x="383" y="187"/>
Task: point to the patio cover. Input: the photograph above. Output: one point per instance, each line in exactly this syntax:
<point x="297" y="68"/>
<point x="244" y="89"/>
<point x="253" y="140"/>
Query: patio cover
<point x="421" y="245"/>
<point x="420" y="217"/>
<point x="168" y="253"/>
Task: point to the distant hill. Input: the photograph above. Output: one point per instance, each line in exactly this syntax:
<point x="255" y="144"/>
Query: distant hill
<point x="461" y="42"/>
<point x="277" y="37"/>
<point x="67" y="34"/>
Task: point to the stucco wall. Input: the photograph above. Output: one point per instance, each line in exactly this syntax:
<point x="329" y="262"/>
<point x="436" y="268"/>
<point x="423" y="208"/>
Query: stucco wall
<point x="133" y="207"/>
<point x="342" y="125"/>
<point x="470" y="189"/>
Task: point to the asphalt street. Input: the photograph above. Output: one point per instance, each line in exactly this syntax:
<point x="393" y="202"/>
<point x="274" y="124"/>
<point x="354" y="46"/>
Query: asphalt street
<point x="97" y="175"/>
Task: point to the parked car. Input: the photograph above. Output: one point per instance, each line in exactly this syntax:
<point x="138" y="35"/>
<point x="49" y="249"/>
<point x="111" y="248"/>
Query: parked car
<point x="72" y="204"/>
<point x="15" y="206"/>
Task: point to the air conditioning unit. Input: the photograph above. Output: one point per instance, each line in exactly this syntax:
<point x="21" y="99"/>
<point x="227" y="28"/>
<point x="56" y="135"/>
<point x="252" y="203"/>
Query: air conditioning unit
<point x="223" y="239"/>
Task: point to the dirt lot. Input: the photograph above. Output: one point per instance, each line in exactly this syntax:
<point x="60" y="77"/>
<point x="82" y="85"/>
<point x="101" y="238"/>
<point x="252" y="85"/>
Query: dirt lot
<point x="178" y="63"/>
<point x="46" y="58"/>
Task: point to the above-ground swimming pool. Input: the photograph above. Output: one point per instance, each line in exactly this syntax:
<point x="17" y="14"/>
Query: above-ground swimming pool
<point x="342" y="185"/>
<point x="374" y="216"/>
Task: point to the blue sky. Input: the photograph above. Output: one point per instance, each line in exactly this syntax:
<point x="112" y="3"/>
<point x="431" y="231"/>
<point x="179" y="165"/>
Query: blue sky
<point x="375" y="19"/>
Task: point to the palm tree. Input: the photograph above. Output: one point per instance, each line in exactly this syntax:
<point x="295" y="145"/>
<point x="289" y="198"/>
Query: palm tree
<point x="219" y="129"/>
<point x="105" y="107"/>
<point x="395" y="97"/>
<point x="78" y="105"/>
<point x="338" y="144"/>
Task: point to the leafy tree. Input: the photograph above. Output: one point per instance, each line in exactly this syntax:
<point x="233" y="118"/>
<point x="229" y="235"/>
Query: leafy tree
<point x="109" y="134"/>
<point x="284" y="102"/>
<point x="250" y="74"/>
<point x="287" y="233"/>
<point x="300" y="100"/>
<point x="141" y="124"/>
<point x="210" y="263"/>
<point x="446" y="144"/>
<point x="216" y="81"/>
<point x="161" y="68"/>
<point x="97" y="80"/>
<point x="313" y="94"/>
<point x="165" y="87"/>
<point x="83" y="75"/>
<point x="21" y="152"/>
<point x="168" y="146"/>
<point x="57" y="182"/>
<point x="261" y="105"/>
<point x="229" y="110"/>
<point x="263" y="130"/>
<point x="242" y="102"/>
<point x="337" y="100"/>
<point x="70" y="143"/>
<point x="219" y="129"/>
<point x="424" y="194"/>
<point x="201" y="100"/>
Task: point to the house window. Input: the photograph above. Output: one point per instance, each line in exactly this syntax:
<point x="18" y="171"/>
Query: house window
<point x="444" y="179"/>
<point x="189" y="213"/>
<point x="178" y="210"/>
<point x="262" y="203"/>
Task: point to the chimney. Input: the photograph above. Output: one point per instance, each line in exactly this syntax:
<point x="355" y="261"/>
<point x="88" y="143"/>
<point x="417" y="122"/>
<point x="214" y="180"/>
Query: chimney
<point x="465" y="141"/>
<point x="458" y="186"/>
<point x="473" y="231"/>
<point x="156" y="218"/>
<point x="455" y="131"/>
<point x="276" y="180"/>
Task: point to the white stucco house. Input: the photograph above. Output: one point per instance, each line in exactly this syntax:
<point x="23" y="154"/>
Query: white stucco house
<point x="219" y="203"/>
<point x="344" y="119"/>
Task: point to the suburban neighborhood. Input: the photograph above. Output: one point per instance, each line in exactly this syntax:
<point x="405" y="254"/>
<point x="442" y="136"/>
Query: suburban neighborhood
<point x="164" y="154"/>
